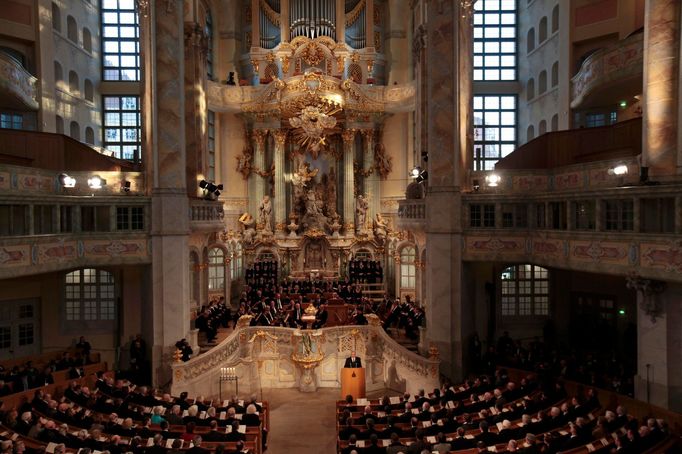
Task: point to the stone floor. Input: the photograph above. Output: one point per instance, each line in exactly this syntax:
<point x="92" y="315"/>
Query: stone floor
<point x="303" y="423"/>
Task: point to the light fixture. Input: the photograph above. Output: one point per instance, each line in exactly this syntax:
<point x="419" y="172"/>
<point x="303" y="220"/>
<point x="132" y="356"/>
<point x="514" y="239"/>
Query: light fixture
<point x="211" y="190"/>
<point x="67" y="181"/>
<point x="621" y="312"/>
<point x="619" y="170"/>
<point x="414" y="173"/>
<point x="493" y="180"/>
<point x="476" y="185"/>
<point x="203" y="184"/>
<point x="422" y="176"/>
<point x="125" y="186"/>
<point x="623" y="104"/>
<point x="96" y="182"/>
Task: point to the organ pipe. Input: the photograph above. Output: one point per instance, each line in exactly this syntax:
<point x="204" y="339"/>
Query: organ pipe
<point x="312" y="18"/>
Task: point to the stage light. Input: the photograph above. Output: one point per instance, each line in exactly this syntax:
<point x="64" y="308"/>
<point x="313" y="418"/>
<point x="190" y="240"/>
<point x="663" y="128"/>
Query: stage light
<point x="621" y="311"/>
<point x="125" y="186"/>
<point x="619" y="170"/>
<point x="623" y="104"/>
<point x="67" y="181"/>
<point x="203" y="184"/>
<point x="492" y="180"/>
<point x="476" y="185"/>
<point x="96" y="182"/>
<point x="415" y="172"/>
<point x="422" y="176"/>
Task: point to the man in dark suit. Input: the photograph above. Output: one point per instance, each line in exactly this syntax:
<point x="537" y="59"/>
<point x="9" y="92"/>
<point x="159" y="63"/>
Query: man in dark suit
<point x="353" y="361"/>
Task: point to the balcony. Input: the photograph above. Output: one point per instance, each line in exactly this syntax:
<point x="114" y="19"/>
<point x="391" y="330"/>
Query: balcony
<point x="412" y="214"/>
<point x="206" y="215"/>
<point x="18" y="88"/>
<point x="577" y="146"/>
<point x="610" y="74"/>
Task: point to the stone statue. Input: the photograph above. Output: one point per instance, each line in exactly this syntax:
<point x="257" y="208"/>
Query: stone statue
<point x="248" y="223"/>
<point x="361" y="207"/>
<point x="244" y="162"/>
<point x="382" y="161"/>
<point x="265" y="214"/>
<point x="314" y="218"/>
<point x="380" y="227"/>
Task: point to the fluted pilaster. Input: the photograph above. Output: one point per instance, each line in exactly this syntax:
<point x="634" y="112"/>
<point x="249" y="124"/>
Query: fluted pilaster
<point x="258" y="136"/>
<point x="348" y="180"/>
<point x="280" y="189"/>
<point x="372" y="185"/>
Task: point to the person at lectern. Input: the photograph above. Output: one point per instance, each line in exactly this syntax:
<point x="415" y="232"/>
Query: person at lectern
<point x="353" y="361"/>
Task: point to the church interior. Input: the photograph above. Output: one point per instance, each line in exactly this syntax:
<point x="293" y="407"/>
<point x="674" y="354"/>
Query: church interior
<point x="340" y="226"/>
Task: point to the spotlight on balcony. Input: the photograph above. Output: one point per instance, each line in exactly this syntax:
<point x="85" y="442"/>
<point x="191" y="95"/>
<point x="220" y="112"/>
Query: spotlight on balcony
<point x="619" y="170"/>
<point x="67" y="181"/>
<point x="211" y="190"/>
<point x="476" y="185"/>
<point x="125" y="186"/>
<point x="414" y="173"/>
<point x="203" y="184"/>
<point x="493" y="180"/>
<point x="96" y="182"/>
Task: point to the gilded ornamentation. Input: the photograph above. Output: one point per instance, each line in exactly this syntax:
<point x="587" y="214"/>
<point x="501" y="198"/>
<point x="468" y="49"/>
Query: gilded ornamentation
<point x="383" y="163"/>
<point x="348" y="136"/>
<point x="353" y="15"/>
<point x="255" y="65"/>
<point x="272" y="15"/>
<point x="312" y="54"/>
<point x="259" y="136"/>
<point x="244" y="161"/>
<point x="312" y="126"/>
<point x="285" y="59"/>
<point x="340" y="63"/>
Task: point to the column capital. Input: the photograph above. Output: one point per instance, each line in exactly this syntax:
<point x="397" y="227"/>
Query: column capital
<point x="280" y="136"/>
<point x="368" y="134"/>
<point x="348" y="135"/>
<point x="259" y="136"/>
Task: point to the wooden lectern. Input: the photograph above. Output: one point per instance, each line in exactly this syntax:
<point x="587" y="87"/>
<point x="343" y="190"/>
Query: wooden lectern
<point x="353" y="382"/>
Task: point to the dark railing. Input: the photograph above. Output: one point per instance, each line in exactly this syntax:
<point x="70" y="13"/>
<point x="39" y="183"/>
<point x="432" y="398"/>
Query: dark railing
<point x="576" y="146"/>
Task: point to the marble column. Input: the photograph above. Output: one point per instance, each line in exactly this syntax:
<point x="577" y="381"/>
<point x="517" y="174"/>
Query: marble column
<point x="348" y="137"/>
<point x="163" y="57"/>
<point x="449" y="89"/>
<point x="661" y="84"/>
<point x="372" y="183"/>
<point x="258" y="186"/>
<point x="280" y="188"/>
<point x="195" y="104"/>
<point x="659" y="337"/>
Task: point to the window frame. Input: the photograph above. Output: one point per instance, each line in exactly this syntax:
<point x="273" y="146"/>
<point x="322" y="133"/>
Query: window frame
<point x="521" y="290"/>
<point x="408" y="267"/>
<point x="483" y="130"/>
<point x="216" y="270"/>
<point x="119" y="40"/>
<point x="113" y="119"/>
<point x="94" y="304"/>
<point x="480" y="23"/>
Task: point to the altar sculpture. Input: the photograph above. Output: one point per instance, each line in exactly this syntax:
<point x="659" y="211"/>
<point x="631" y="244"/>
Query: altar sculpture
<point x="361" y="207"/>
<point x="265" y="214"/>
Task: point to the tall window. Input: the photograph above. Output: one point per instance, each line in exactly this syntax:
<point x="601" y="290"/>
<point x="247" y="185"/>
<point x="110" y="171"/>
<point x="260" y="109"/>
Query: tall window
<point x="495" y="40"/>
<point x="216" y="269"/>
<point x="209" y="42"/>
<point x="525" y="291"/>
<point x="122" y="126"/>
<point x="237" y="262"/>
<point x="408" y="270"/>
<point x="211" y="145"/>
<point x="494" y="129"/>
<point x="89" y="295"/>
<point x="120" y="40"/>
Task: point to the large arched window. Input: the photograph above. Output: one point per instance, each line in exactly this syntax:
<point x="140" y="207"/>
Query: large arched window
<point x="56" y="17"/>
<point x="555" y="74"/>
<point x="542" y="30"/>
<point x="87" y="40"/>
<point x="72" y="29"/>
<point x="555" y="19"/>
<point x="408" y="270"/>
<point x="74" y="83"/>
<point x="216" y="269"/>
<point x="524" y="291"/>
<point x="89" y="90"/>
<point x="530" y="40"/>
<point x="237" y="262"/>
<point x="89" y="295"/>
<point x="542" y="82"/>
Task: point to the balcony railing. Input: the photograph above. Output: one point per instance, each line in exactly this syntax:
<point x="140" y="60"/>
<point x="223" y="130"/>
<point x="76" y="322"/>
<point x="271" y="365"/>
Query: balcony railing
<point x="18" y="83"/>
<point x="411" y="214"/>
<point x="206" y="215"/>
<point x="619" y="65"/>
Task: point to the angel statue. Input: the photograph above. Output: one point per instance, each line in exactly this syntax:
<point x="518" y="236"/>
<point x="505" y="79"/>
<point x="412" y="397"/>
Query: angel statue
<point x="380" y="227"/>
<point x="304" y="174"/>
<point x="248" y="223"/>
<point x="312" y="123"/>
<point x="382" y="161"/>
